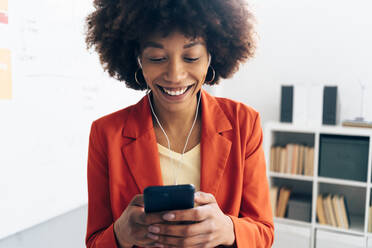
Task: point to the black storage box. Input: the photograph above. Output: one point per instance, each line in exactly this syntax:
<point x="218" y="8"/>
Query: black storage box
<point x="299" y="208"/>
<point x="344" y="157"/>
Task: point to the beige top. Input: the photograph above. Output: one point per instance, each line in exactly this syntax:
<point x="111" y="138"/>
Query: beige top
<point x="187" y="167"/>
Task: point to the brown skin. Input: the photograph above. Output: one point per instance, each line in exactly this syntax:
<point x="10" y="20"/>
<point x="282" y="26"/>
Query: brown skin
<point x="174" y="62"/>
<point x="212" y="227"/>
<point x="174" y="66"/>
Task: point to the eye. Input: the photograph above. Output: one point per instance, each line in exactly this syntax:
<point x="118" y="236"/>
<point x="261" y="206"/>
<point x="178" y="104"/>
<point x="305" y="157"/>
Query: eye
<point x="157" y="59"/>
<point x="190" y="60"/>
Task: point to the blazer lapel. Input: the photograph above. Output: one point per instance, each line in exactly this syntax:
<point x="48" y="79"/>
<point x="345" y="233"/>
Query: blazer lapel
<point x="142" y="153"/>
<point x="215" y="148"/>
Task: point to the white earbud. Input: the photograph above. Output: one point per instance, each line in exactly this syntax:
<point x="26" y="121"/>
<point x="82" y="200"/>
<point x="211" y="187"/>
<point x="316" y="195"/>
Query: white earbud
<point x="209" y="60"/>
<point x="139" y="62"/>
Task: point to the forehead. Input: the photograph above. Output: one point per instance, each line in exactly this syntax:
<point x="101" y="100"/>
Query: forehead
<point x="172" y="40"/>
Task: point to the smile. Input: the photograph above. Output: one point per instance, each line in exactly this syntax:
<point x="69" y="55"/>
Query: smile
<point x="175" y="91"/>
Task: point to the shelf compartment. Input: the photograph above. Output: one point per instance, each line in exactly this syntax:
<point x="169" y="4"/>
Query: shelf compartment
<point x="343" y="157"/>
<point x="326" y="239"/>
<point x="284" y="138"/>
<point x="355" y="201"/>
<point x="369" y="214"/>
<point x="355" y="228"/>
<point x="291" y="235"/>
<point x="299" y="205"/>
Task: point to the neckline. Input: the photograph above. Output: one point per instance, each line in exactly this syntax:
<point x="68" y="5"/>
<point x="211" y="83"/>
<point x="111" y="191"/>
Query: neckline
<point x="165" y="149"/>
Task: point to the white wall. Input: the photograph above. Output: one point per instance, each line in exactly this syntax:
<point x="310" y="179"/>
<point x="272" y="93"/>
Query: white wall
<point x="324" y="42"/>
<point x="301" y="42"/>
<point x="67" y="230"/>
<point x="58" y="90"/>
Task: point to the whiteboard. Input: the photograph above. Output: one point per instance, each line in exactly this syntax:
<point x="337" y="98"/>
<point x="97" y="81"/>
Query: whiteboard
<point x="58" y="89"/>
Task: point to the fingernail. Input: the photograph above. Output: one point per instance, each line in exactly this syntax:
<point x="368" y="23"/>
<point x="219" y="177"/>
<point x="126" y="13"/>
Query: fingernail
<point x="152" y="236"/>
<point x="154" y="229"/>
<point x="197" y="194"/>
<point x="169" y="216"/>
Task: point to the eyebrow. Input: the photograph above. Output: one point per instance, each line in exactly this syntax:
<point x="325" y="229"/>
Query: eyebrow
<point x="160" y="46"/>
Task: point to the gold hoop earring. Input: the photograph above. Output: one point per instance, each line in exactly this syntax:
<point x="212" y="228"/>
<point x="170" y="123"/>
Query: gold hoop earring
<point x="214" y="74"/>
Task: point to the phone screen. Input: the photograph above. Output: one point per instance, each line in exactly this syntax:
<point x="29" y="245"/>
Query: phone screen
<point x="172" y="197"/>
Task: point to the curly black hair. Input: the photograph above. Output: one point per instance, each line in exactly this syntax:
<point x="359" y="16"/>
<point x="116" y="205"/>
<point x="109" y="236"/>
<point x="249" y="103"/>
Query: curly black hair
<point x="117" y="27"/>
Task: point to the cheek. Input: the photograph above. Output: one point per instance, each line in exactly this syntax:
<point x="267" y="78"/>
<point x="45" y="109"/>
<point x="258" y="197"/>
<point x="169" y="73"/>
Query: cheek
<point x="149" y="76"/>
<point x="203" y="74"/>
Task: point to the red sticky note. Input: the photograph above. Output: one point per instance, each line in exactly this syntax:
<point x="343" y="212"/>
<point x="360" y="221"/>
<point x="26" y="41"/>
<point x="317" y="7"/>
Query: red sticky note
<point x="3" y="18"/>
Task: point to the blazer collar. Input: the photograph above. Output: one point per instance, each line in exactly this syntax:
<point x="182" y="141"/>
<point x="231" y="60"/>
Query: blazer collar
<point x="215" y="148"/>
<point x="142" y="154"/>
<point x="139" y="121"/>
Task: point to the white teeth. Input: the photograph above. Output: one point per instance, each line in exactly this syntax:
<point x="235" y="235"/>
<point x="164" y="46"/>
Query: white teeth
<point x="175" y="92"/>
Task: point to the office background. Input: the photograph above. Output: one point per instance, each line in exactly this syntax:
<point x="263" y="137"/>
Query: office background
<point x="58" y="88"/>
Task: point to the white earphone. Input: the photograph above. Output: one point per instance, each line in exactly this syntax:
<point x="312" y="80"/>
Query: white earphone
<point x="139" y="62"/>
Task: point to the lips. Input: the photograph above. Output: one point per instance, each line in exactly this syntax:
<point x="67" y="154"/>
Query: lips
<point x="175" y="91"/>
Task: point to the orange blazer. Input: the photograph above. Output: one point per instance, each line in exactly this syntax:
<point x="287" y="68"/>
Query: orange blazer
<point x="123" y="160"/>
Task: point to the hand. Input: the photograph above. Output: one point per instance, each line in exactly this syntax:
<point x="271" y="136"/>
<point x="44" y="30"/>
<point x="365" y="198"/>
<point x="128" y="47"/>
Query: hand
<point x="132" y="226"/>
<point x="211" y="226"/>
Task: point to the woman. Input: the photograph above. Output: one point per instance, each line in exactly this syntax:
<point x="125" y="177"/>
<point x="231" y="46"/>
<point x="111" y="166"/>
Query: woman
<point x="177" y="133"/>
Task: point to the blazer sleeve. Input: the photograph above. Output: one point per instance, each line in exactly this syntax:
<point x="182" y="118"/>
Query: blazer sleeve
<point x="254" y="228"/>
<point x="100" y="227"/>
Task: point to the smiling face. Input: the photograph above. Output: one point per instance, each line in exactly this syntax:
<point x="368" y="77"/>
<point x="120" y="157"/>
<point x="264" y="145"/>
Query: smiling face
<point x="174" y="67"/>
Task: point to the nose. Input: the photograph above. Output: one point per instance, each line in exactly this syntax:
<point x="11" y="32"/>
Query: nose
<point x="175" y="71"/>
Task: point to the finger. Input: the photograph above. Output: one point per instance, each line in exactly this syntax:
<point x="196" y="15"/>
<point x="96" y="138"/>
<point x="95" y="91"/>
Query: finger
<point x="137" y="200"/>
<point x="146" y="219"/>
<point x="181" y="230"/>
<point x="153" y="218"/>
<point x="200" y="240"/>
<point x="203" y="198"/>
<point x="196" y="214"/>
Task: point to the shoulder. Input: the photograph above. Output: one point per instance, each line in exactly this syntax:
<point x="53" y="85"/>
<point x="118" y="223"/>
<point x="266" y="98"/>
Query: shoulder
<point x="238" y="112"/>
<point x="115" y="117"/>
<point x="114" y="121"/>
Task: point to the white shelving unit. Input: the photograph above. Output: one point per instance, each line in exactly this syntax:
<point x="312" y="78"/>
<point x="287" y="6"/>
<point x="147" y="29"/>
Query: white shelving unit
<point x="357" y="193"/>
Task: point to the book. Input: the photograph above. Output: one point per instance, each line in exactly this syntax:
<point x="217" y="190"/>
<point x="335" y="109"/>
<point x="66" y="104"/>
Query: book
<point x="283" y="159"/>
<point x="357" y="123"/>
<point x="284" y="194"/>
<point x="306" y="155"/>
<point x="337" y="211"/>
<point x="369" y="219"/>
<point x="320" y="210"/>
<point x="326" y="212"/>
<point x="309" y="161"/>
<point x="288" y="167"/>
<point x="294" y="159"/>
<point x="345" y="212"/>
<point x="272" y="158"/>
<point x="278" y="151"/>
<point x="300" y="162"/>
<point x="273" y="198"/>
<point x="329" y="205"/>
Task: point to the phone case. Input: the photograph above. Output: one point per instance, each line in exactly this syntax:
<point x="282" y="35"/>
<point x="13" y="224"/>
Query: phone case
<point x="165" y="198"/>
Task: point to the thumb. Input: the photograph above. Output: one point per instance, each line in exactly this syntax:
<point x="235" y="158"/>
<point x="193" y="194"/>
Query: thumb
<point x="202" y="198"/>
<point x="137" y="200"/>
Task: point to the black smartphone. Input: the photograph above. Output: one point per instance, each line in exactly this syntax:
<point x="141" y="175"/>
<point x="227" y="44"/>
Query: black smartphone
<point x="169" y="197"/>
